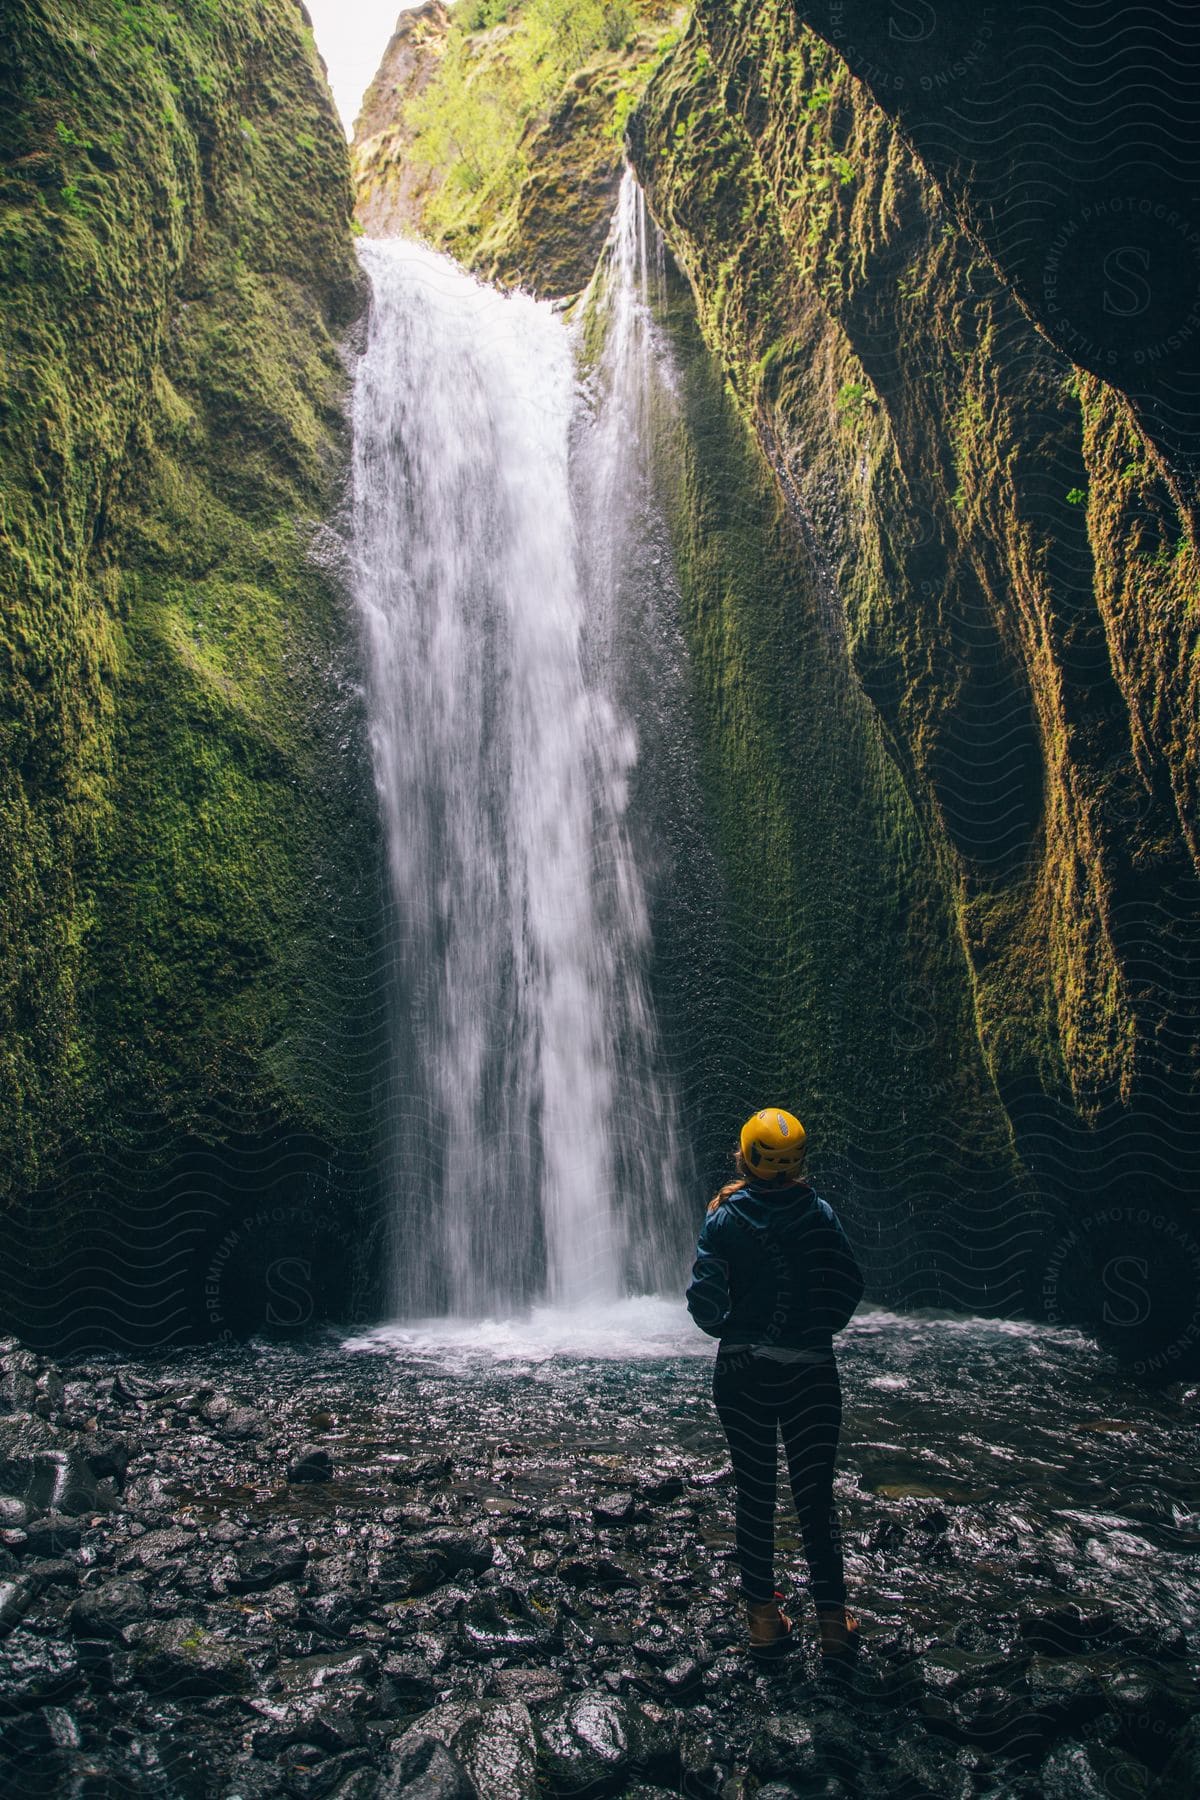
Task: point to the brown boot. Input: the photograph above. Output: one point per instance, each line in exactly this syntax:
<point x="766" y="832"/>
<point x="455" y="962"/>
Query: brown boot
<point x="839" y="1633"/>
<point x="770" y="1629"/>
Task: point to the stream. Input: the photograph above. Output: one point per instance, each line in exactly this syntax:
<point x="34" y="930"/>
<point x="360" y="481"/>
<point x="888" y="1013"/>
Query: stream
<point x="501" y="1552"/>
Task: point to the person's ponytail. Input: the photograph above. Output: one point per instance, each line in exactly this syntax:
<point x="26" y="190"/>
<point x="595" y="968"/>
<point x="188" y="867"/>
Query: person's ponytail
<point x="731" y="1187"/>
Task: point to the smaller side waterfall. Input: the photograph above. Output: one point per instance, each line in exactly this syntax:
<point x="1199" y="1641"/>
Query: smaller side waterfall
<point x="504" y="757"/>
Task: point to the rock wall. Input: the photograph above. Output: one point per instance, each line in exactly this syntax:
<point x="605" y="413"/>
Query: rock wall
<point x="1009" y="557"/>
<point x="190" y="889"/>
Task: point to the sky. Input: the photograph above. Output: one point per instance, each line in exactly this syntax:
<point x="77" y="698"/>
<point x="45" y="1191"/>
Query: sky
<point x="352" y="36"/>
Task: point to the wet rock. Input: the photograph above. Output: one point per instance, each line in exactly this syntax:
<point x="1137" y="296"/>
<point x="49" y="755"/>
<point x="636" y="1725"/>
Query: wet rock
<point x="413" y="1471"/>
<point x="311" y="1778"/>
<point x="411" y="1682"/>
<point x="107" y="1457"/>
<point x="313" y="1463"/>
<point x="1149" y="1714"/>
<point x="1065" y="1694"/>
<point x="52" y="1533"/>
<point x="657" y="1490"/>
<point x="593" y="1742"/>
<point x="458" y="1550"/>
<point x="927" y="1767"/>
<point x="17" y="1595"/>
<point x="407" y="1572"/>
<point x="345" y="1572"/>
<point x="168" y="1765"/>
<point x="147" y="1494"/>
<point x="38" y="1671"/>
<point x="682" y="1681"/>
<point x="133" y="1385"/>
<point x="1070" y="1630"/>
<point x="1180" y="1778"/>
<point x="329" y="1731"/>
<point x="108" y="1611"/>
<point x="330" y="1614"/>
<point x="46" y="1468"/>
<point x="13" y="1513"/>
<point x="784" y="1746"/>
<point x="707" y="1478"/>
<point x="242" y="1424"/>
<point x="533" y="1686"/>
<point x="1090" y="1772"/>
<point x="614" y="1509"/>
<point x="18" y="1392"/>
<point x="96" y="1662"/>
<point x="1001" y="1721"/>
<point x="494" y="1742"/>
<point x="656" y="1643"/>
<point x="503" y="1621"/>
<point x="156" y="1550"/>
<point x="332" y="1672"/>
<point x="262" y="1566"/>
<point x="420" y="1767"/>
<point x="598" y="1571"/>
<point x="52" y="1571"/>
<point x="179" y="1658"/>
<point x="45" y="1730"/>
<point x="49" y="1390"/>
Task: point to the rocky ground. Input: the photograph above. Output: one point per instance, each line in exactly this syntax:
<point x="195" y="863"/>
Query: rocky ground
<point x="295" y="1571"/>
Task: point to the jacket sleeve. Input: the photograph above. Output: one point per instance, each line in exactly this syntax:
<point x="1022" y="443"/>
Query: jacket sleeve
<point x="708" y="1294"/>
<point x="838" y="1279"/>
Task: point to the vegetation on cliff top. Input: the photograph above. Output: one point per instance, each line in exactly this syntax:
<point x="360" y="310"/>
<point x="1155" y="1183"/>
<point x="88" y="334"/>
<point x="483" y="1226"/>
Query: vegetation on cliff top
<point x="516" y="120"/>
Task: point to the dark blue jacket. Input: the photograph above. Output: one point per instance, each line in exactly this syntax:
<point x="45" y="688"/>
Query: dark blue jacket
<point x="773" y="1266"/>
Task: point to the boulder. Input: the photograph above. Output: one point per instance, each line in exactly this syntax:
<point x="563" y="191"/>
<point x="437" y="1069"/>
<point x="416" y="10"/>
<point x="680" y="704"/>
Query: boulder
<point x="784" y="1745"/>
<point x="178" y="1658"/>
<point x="109" y="1611"/>
<point x="594" y="1743"/>
<point x="312" y="1463"/>
<point x="46" y="1468"/>
<point x="53" y="1533"/>
<point x="533" y="1686"/>
<point x="37" y="1670"/>
<point x="263" y="1565"/>
<point x="502" y="1621"/>
<point x="1180" y="1778"/>
<point x="420" y="1767"/>
<point x="493" y="1740"/>
<point x="458" y="1550"/>
<point x="17" y="1595"/>
<point x="335" y="1672"/>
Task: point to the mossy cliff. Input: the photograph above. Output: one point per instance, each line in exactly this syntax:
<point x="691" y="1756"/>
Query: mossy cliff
<point x="190" y="876"/>
<point x="832" y="973"/>
<point x="1012" y="565"/>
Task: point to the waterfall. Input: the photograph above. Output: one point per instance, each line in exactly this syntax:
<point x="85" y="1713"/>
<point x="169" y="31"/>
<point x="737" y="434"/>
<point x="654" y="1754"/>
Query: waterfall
<point x="489" y="520"/>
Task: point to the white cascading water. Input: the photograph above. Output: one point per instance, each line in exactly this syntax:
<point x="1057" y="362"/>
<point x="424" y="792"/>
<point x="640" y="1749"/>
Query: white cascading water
<point x="523" y="1038"/>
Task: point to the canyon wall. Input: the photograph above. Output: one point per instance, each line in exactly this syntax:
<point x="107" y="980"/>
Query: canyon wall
<point x="191" y="893"/>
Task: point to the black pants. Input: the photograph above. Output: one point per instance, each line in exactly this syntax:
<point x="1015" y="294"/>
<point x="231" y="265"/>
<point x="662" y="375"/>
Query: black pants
<point x="757" y="1401"/>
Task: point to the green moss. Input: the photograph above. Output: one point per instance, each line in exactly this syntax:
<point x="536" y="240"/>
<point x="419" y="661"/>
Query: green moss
<point x="185" y="787"/>
<point x="1039" y="730"/>
<point x="507" y="151"/>
<point x="813" y="829"/>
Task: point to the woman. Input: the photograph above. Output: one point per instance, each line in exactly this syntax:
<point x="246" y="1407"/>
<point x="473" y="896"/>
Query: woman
<point x="774" y="1278"/>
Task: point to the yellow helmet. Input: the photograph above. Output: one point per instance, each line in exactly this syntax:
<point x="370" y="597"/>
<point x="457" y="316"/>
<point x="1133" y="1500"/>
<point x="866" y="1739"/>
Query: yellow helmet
<point x="773" y="1143"/>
